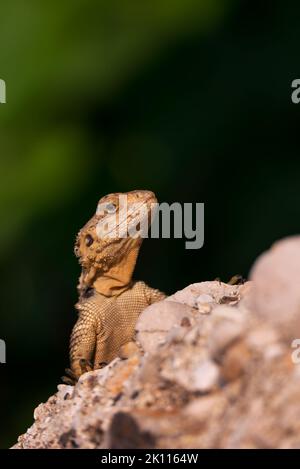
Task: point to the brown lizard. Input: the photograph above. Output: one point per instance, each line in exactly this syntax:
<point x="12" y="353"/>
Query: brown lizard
<point x="109" y="300"/>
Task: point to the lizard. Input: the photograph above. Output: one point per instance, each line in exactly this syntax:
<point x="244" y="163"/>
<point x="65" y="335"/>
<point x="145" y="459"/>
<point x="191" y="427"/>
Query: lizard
<point x="110" y="301"/>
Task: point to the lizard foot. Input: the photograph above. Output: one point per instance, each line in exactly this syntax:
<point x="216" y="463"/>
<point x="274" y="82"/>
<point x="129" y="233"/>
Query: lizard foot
<point x="237" y="280"/>
<point x="71" y="378"/>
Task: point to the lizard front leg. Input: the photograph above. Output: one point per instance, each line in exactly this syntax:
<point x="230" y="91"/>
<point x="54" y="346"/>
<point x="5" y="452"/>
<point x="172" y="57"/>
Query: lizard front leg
<point x="83" y="342"/>
<point x="150" y="295"/>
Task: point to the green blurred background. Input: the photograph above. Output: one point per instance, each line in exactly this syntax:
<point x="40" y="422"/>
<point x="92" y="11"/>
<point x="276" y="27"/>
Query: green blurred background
<point x="190" y="99"/>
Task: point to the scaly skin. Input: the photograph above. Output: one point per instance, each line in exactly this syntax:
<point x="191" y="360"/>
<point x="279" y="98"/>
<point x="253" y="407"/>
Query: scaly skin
<point x="109" y="301"/>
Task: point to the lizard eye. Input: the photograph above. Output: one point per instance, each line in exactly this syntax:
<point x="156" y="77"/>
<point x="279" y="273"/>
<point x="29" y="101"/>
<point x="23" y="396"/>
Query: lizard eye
<point x="110" y="208"/>
<point x="89" y="240"/>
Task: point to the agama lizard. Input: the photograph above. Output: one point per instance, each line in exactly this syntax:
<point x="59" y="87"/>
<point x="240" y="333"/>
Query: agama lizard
<point x="109" y="300"/>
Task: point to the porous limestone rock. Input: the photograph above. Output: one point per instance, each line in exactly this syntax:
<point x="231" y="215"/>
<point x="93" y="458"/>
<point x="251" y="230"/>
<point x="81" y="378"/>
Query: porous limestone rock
<point x="276" y="275"/>
<point x="212" y="368"/>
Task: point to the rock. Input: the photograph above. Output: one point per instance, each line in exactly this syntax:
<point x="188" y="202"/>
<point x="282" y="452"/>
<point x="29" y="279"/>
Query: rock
<point x="204" y="299"/>
<point x="235" y="361"/>
<point x="157" y="320"/>
<point x="205" y="377"/>
<point x="201" y="409"/>
<point x="224" y="334"/>
<point x="214" y="291"/>
<point x="211" y="367"/>
<point x="204" y="303"/>
<point x="262" y="336"/>
<point x="128" y="350"/>
<point x="276" y="278"/>
<point x="125" y="433"/>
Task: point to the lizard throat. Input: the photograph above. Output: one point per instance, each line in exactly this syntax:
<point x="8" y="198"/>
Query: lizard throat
<point x="119" y="277"/>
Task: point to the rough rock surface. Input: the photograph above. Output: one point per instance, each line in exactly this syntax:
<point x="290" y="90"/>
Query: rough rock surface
<point x="213" y="369"/>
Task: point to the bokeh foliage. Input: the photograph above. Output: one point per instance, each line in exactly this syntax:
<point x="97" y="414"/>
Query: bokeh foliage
<point x="189" y="98"/>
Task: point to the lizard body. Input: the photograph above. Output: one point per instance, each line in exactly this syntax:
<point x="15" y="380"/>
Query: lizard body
<point x="109" y="300"/>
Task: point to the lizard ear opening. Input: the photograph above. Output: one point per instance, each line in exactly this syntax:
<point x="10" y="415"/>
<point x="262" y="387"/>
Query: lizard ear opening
<point x="89" y="240"/>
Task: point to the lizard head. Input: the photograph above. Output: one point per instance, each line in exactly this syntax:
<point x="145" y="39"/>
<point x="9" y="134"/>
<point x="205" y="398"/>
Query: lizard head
<point x="108" y="245"/>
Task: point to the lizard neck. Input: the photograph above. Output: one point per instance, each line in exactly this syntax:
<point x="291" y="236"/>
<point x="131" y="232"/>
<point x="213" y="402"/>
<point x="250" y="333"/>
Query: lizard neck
<point x="118" y="278"/>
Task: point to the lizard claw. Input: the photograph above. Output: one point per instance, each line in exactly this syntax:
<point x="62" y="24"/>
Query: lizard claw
<point x="237" y="280"/>
<point x="71" y="374"/>
<point x="67" y="380"/>
<point x="71" y="378"/>
<point x="85" y="365"/>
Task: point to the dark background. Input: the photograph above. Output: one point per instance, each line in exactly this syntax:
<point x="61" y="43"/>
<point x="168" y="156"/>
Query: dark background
<point x="190" y="99"/>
